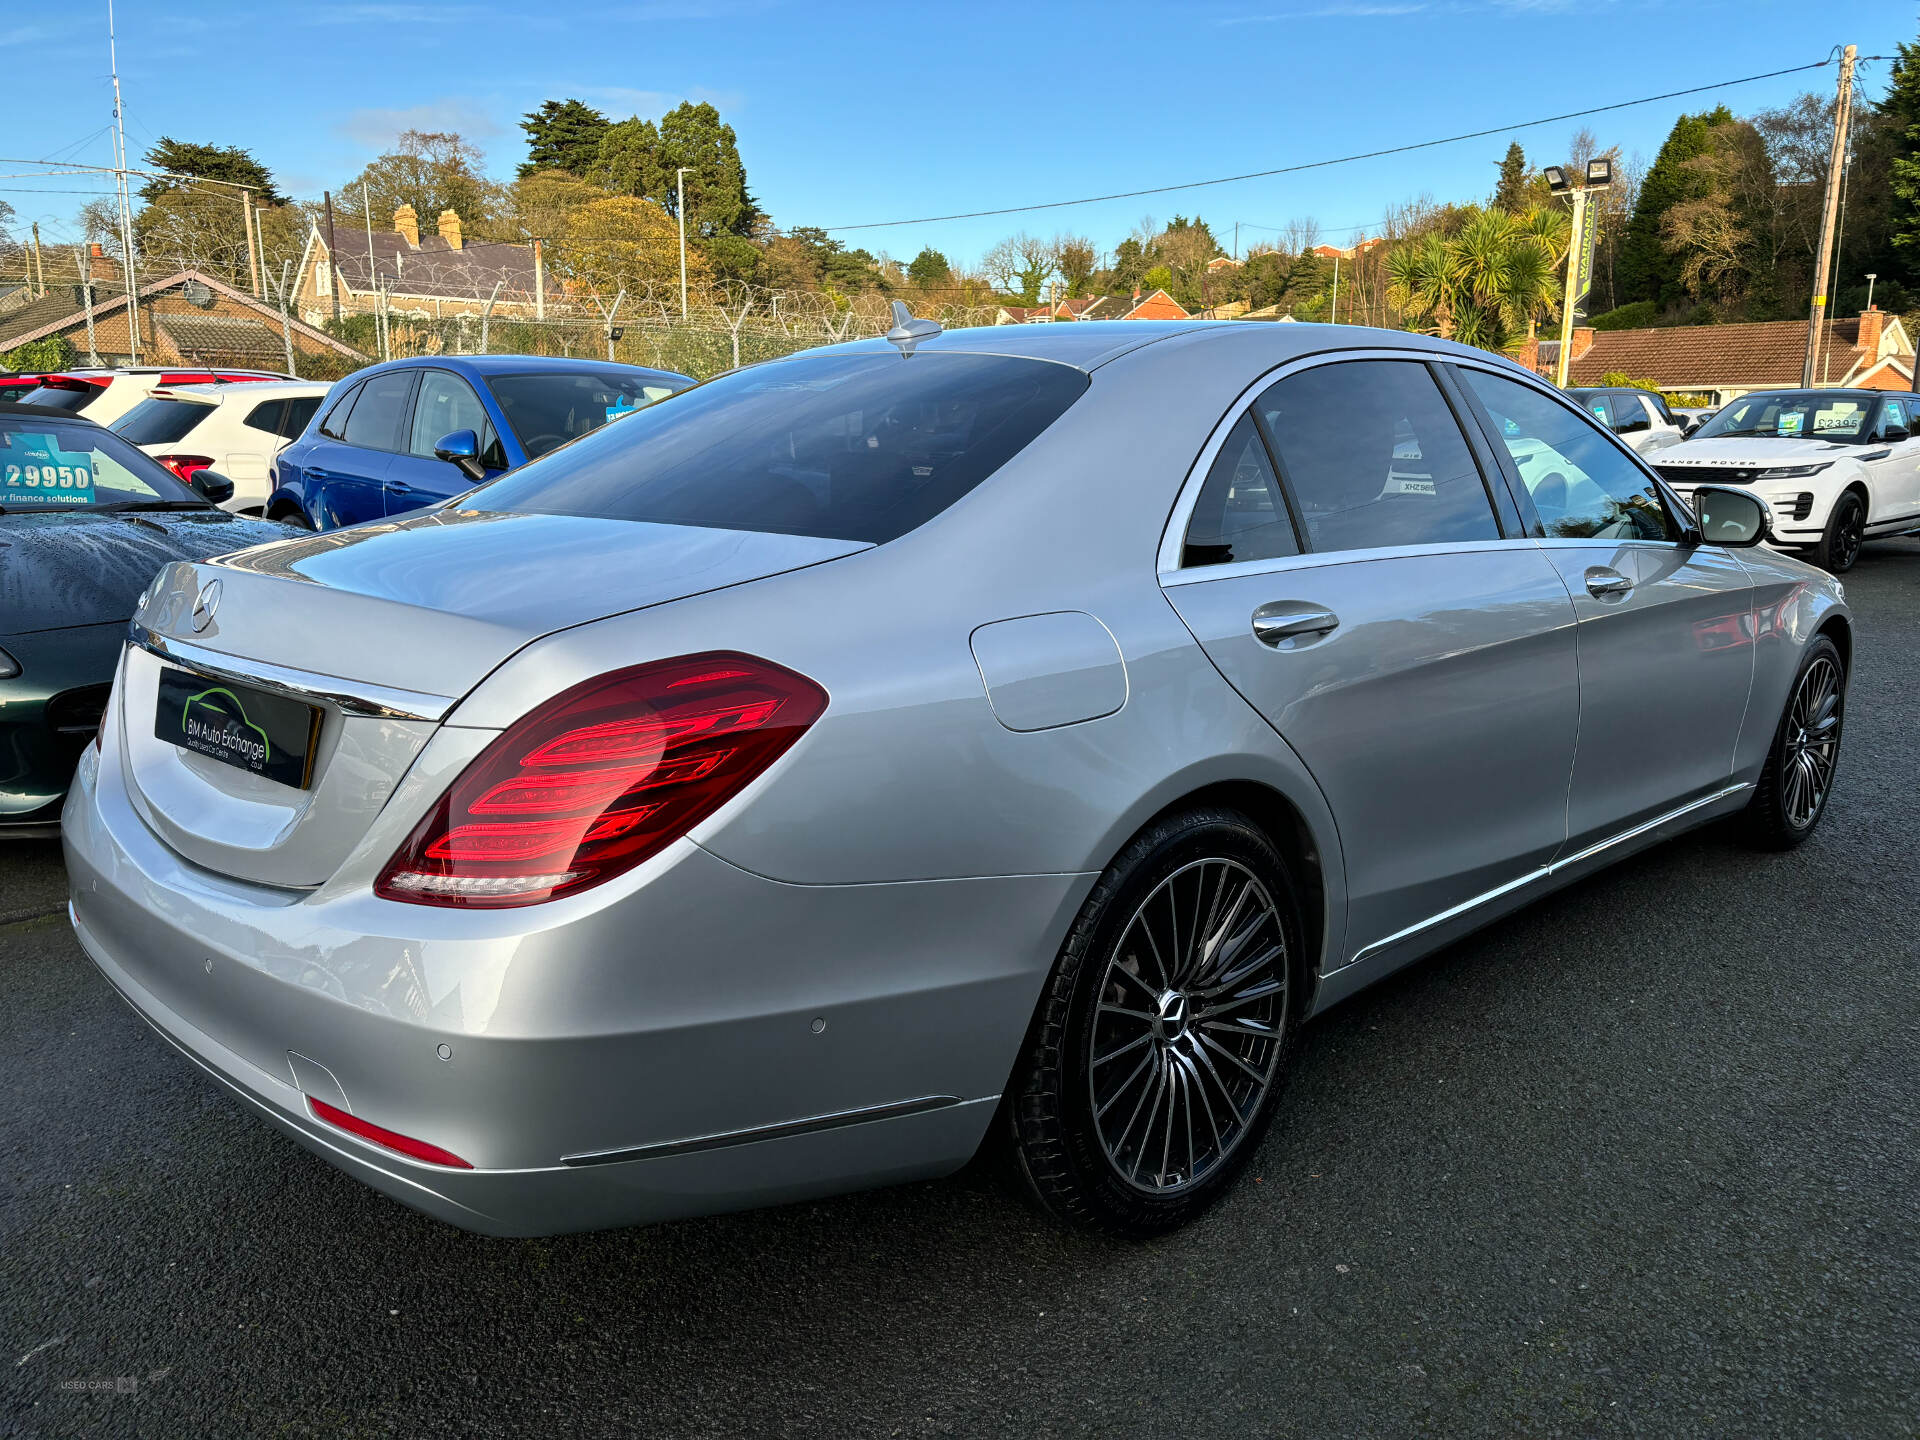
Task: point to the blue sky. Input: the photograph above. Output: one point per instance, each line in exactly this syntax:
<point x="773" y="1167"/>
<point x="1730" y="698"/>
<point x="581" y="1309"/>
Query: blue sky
<point x="851" y="113"/>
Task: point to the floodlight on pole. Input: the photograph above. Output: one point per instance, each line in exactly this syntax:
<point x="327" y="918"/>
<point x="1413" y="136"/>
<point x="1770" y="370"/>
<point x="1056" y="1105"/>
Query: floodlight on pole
<point x="1556" y="179"/>
<point x="680" y="184"/>
<point x="1599" y="176"/>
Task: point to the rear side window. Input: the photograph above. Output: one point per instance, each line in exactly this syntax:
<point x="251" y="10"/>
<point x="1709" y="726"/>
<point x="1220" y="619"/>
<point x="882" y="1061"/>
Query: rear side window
<point x="334" y="427"/>
<point x="1241" y="514"/>
<point x="1374" y="457"/>
<point x="299" y="411"/>
<point x="844" y="447"/>
<point x="266" y="416"/>
<point x="379" y="417"/>
<point x="160" y="422"/>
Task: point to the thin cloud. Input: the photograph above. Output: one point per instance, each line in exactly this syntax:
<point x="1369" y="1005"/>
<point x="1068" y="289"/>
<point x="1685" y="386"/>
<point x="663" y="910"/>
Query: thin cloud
<point x="377" y="126"/>
<point x="622" y="100"/>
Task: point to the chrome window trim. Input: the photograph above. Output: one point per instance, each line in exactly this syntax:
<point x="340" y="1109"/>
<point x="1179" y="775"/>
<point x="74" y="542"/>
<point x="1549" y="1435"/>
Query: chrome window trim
<point x="1321" y="559"/>
<point x="1553" y="867"/>
<point x="353" y="697"/>
<point x="1173" y="537"/>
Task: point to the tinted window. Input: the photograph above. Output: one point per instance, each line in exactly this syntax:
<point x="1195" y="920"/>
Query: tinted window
<point x="1629" y="415"/>
<point x="334" y="427"/>
<point x="1582" y="484"/>
<point x="847" y="447"/>
<point x="266" y="417"/>
<point x="446" y="404"/>
<point x="160" y="422"/>
<point x="1791" y="414"/>
<point x="75" y="397"/>
<point x="56" y="465"/>
<point x="299" y="411"/>
<point x="1241" y="514"/>
<point x="1373" y="456"/>
<point x="379" y="417"/>
<point x="546" y="411"/>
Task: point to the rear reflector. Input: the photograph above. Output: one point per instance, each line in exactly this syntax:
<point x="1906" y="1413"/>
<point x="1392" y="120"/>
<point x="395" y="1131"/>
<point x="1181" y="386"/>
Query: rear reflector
<point x="600" y="778"/>
<point x="388" y="1139"/>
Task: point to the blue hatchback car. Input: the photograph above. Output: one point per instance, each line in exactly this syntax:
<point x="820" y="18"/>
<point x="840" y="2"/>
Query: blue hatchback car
<point x="409" y="433"/>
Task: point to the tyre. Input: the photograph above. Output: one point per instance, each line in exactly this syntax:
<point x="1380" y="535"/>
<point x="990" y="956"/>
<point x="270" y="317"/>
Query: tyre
<point x="1839" y="547"/>
<point x="1156" y="1057"/>
<point x="293" y="516"/>
<point x="1798" y="779"/>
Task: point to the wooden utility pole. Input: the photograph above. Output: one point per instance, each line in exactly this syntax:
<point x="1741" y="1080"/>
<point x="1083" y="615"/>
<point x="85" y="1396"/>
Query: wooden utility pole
<point x="333" y="269"/>
<point x="39" y="265"/>
<point x="1836" y="166"/>
<point x="253" y="253"/>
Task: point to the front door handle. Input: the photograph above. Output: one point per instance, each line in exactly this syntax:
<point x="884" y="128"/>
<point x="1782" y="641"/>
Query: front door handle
<point x="1281" y="621"/>
<point x="399" y="487"/>
<point x="1602" y="582"/>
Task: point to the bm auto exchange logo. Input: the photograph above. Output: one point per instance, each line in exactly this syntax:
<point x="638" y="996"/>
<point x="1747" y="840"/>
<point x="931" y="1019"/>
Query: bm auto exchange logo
<point x="216" y="721"/>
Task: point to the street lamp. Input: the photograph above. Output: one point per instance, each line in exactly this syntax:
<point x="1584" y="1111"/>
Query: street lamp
<point x="1599" y="176"/>
<point x="680" y="183"/>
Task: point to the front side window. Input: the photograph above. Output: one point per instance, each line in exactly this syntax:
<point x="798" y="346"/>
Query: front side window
<point x="1583" y="486"/>
<point x="546" y="411"/>
<point x="446" y="404"/>
<point x="1373" y="456"/>
<point x="157" y="421"/>
<point x="843" y="447"/>
<point x="53" y="465"/>
<point x="1893" y="416"/>
<point x="1629" y="415"/>
<point x="1241" y="514"/>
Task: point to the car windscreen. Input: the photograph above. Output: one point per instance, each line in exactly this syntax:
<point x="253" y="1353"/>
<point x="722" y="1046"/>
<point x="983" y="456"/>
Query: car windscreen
<point x="842" y="447"/>
<point x="48" y="464"/>
<point x="1791" y="415"/>
<point x="160" y="421"/>
<point x="546" y="411"/>
<point x="73" y="397"/>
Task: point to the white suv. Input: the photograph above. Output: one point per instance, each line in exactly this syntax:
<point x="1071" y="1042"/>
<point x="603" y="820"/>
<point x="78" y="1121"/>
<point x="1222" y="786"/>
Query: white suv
<point x="235" y="430"/>
<point x="1639" y="417"/>
<point x="1837" y="466"/>
<point x="103" y="396"/>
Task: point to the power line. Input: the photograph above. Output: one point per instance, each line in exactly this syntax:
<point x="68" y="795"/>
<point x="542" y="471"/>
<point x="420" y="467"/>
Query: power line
<point x="1340" y="160"/>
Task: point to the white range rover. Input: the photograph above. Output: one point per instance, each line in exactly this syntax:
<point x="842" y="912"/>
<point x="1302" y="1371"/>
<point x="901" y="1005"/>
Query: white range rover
<point x="1837" y="466"/>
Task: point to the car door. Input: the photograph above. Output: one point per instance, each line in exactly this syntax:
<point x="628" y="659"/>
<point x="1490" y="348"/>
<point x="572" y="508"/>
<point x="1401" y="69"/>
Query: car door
<point x="251" y="443"/>
<point x="1894" y="462"/>
<point x="445" y="403"/>
<point x="1666" y="657"/>
<point x="1413" y="650"/>
<point x="351" y="481"/>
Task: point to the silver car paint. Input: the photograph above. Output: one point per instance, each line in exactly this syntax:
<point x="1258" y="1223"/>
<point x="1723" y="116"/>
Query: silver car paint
<point x="904" y="876"/>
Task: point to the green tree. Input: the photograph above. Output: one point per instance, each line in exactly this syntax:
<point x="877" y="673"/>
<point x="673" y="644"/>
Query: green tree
<point x="929" y="268"/>
<point x="563" y="135"/>
<point x="1894" y="144"/>
<point x="627" y="161"/>
<point x="1646" y="269"/>
<point x="55" y="352"/>
<point x="1484" y="283"/>
<point x="1510" y="195"/>
<point x="228" y="163"/>
<point x="718" y="201"/>
<point x="1020" y="265"/>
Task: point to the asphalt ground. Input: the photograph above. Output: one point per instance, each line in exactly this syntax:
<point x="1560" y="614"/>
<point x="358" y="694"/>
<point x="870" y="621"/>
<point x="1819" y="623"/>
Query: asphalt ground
<point x="1640" y="1160"/>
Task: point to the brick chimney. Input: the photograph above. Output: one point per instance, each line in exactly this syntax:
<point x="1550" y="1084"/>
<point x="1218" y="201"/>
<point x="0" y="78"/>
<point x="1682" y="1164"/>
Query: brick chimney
<point x="1582" y="342"/>
<point x="1873" y="322"/>
<point x="1529" y="354"/>
<point x="97" y="251"/>
<point x="450" y="229"/>
<point x="408" y="224"/>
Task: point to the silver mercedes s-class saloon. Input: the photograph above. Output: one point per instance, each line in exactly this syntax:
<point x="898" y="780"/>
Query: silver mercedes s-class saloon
<point x="1011" y="733"/>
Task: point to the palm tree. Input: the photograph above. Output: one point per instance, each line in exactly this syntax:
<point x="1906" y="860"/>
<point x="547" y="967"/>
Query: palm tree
<point x="1485" y="282"/>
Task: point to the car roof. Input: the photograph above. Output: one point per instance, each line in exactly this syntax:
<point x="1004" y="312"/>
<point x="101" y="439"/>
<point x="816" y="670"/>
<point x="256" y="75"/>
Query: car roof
<point x="519" y="365"/>
<point x="1089" y="344"/>
<point x="50" y="412"/>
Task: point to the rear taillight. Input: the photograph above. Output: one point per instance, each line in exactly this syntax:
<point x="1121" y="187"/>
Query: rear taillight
<point x="601" y="777"/>
<point x="185" y="466"/>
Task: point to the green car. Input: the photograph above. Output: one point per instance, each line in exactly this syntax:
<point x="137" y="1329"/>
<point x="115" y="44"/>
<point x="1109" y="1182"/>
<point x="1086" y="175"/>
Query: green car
<point x="86" y="521"/>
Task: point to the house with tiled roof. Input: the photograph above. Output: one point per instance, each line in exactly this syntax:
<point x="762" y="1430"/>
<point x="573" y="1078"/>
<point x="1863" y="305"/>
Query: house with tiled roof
<point x="187" y="318"/>
<point x="423" y="276"/>
<point x="1870" y="352"/>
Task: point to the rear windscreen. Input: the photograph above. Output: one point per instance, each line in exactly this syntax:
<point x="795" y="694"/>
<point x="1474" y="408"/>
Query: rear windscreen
<point x="62" y="397"/>
<point x="843" y="447"/>
<point x="160" y="422"/>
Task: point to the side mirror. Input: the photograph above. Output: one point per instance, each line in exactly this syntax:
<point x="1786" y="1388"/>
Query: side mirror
<point x="1732" y="517"/>
<point x="212" y="486"/>
<point x="462" y="448"/>
<point x="1894" y="432"/>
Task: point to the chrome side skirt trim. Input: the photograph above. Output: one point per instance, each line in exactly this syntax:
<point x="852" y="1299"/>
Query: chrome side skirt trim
<point x="1547" y="871"/>
<point x="355" y="697"/>
<point x="781" y="1131"/>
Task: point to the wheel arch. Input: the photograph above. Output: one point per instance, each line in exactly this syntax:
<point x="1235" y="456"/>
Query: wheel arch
<point x="1839" y="629"/>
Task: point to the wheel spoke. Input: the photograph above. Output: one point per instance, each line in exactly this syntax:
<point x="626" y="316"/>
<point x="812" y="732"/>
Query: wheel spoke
<point x="1132" y="1045"/>
<point x="1226" y="1054"/>
<point x="1125" y="1085"/>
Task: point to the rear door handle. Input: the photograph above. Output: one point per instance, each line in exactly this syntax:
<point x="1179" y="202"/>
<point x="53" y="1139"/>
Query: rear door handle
<point x="399" y="487"/>
<point x="1285" y="620"/>
<point x="1602" y="581"/>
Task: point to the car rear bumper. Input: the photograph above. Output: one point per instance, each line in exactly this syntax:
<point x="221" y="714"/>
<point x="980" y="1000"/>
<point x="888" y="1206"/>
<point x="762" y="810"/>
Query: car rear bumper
<point x="707" y="1040"/>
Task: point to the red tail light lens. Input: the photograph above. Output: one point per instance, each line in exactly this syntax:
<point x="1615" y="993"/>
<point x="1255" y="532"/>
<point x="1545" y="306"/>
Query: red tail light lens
<point x="186" y="466"/>
<point x="600" y="778"/>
